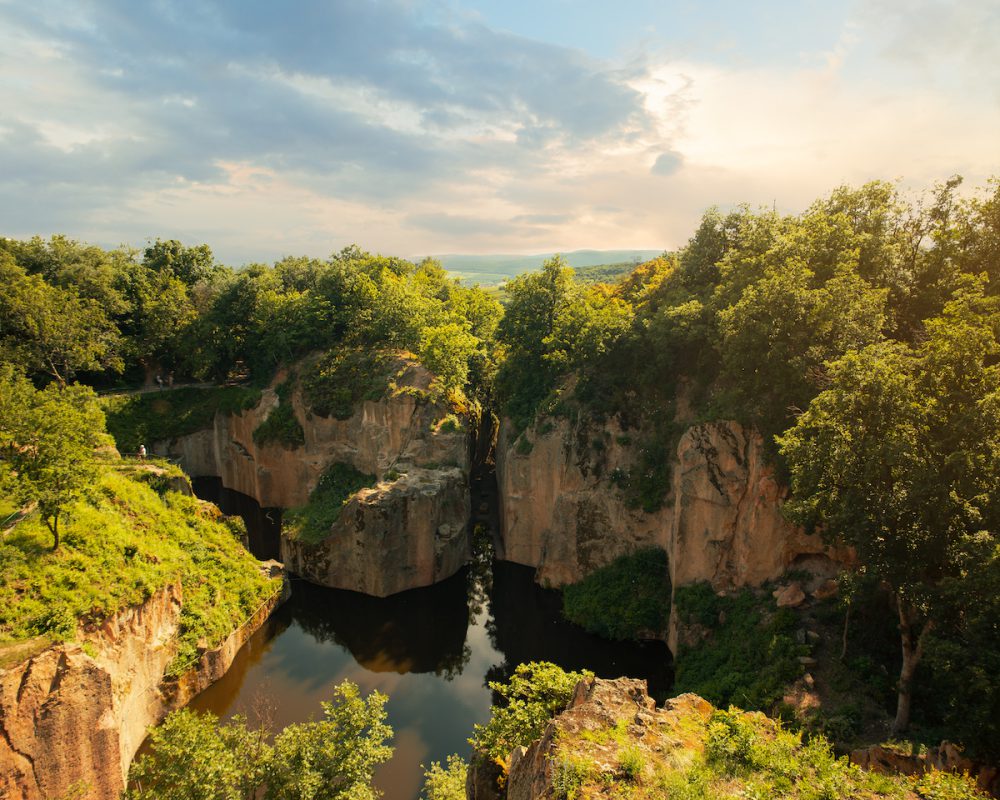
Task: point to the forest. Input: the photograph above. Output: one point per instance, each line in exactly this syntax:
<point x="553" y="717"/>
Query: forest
<point x="860" y="338"/>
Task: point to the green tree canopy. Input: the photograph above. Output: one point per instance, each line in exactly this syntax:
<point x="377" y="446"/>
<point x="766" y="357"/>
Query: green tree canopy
<point x="900" y="458"/>
<point x="47" y="442"/>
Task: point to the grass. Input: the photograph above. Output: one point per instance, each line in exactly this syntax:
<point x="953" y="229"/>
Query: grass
<point x="334" y="384"/>
<point x="120" y="546"/>
<point x="281" y="426"/>
<point x="726" y="755"/>
<point x="749" y="655"/>
<point x="143" y="419"/>
<point x="629" y="597"/>
<point x="311" y="523"/>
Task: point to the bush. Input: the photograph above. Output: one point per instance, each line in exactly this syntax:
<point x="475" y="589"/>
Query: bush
<point x="312" y="522"/>
<point x="442" y="783"/>
<point x="281" y="425"/>
<point x="623" y="599"/>
<point x="160" y="416"/>
<point x="535" y="693"/>
<point x="750" y="654"/>
<point x="338" y="381"/>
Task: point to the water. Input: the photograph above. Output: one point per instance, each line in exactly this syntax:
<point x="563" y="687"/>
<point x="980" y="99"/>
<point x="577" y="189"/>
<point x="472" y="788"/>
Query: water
<point x="432" y="651"/>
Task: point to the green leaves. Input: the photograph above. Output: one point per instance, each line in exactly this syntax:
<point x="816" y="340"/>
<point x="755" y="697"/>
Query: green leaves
<point x="194" y="757"/>
<point x="47" y="442"/>
<point x="536" y="692"/>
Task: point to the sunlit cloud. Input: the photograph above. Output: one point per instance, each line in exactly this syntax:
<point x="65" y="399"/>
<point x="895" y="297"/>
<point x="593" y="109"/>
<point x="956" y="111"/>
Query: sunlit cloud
<point x="265" y="133"/>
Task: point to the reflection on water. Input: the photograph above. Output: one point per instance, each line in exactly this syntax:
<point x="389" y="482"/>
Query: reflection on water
<point x="431" y="650"/>
<point x="263" y="524"/>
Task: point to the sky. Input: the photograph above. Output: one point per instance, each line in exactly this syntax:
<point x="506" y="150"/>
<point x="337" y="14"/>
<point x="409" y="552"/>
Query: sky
<point x="270" y="128"/>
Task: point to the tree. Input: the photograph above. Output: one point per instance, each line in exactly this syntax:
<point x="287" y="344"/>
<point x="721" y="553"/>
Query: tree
<point x="446" y="783"/>
<point x="187" y="264"/>
<point x="47" y="442"/>
<point x="445" y="350"/>
<point x="193" y="757"/>
<point x="52" y="330"/>
<point x="900" y="458"/>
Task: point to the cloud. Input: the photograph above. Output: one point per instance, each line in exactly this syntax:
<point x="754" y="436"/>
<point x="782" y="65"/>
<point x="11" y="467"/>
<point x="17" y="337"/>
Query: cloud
<point x="407" y="127"/>
<point x="667" y="163"/>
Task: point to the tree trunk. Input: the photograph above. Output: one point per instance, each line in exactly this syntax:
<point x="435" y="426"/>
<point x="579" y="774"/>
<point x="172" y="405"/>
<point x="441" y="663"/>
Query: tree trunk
<point x="913" y="650"/>
<point x="53" y="526"/>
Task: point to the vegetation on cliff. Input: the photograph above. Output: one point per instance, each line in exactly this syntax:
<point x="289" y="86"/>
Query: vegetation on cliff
<point x="312" y="522"/>
<point x="125" y="534"/>
<point x="533" y="695"/>
<point x="142" y="419"/>
<point x="741" y="650"/>
<point x="628" y="599"/>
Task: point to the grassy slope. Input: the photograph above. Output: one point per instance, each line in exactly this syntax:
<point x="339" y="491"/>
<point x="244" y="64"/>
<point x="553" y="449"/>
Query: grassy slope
<point x="120" y="546"/>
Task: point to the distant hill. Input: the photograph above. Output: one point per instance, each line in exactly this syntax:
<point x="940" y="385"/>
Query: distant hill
<point x="493" y="269"/>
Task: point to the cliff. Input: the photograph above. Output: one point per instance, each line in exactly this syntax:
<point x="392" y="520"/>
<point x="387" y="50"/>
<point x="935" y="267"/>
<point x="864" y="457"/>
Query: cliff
<point x="407" y="531"/>
<point x="401" y="534"/>
<point x="395" y="431"/>
<point x="563" y="512"/>
<point x="612" y="741"/>
<point x="76" y="713"/>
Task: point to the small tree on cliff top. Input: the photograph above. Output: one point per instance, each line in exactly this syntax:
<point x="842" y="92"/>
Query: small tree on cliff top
<point x="47" y="441"/>
<point x="900" y="458"/>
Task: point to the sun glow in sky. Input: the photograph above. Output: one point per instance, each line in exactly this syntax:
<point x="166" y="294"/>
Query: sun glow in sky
<point x="267" y="129"/>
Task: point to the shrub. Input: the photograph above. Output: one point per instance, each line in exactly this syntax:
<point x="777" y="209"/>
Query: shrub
<point x="630" y="595"/>
<point x="442" y="783"/>
<point x="536" y="692"/>
<point x="281" y="425"/>
<point x="160" y="416"/>
<point x="312" y="522"/>
<point x="750" y="654"/>
<point x="338" y="381"/>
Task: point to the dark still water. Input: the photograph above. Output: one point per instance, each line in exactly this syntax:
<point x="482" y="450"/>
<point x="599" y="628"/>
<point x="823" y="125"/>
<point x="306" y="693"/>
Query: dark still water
<point x="430" y="650"/>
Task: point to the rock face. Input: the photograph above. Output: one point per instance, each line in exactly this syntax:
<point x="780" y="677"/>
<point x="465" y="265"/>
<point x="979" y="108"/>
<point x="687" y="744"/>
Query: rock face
<point x="408" y="531"/>
<point x="559" y="508"/>
<point x="381" y="435"/>
<point x="581" y="734"/>
<point x="76" y="713"/>
<point x="721" y="522"/>
<point x="402" y="534"/>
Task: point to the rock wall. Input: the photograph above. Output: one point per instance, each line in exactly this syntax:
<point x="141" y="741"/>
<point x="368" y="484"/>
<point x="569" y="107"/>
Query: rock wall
<point x="721" y="522"/>
<point x="76" y="713"/>
<point x="379" y="436"/>
<point x="408" y="531"/>
<point x="559" y="508"/>
<point x="402" y="534"/>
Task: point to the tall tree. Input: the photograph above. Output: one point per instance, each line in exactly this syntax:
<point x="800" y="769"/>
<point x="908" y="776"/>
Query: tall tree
<point x="900" y="458"/>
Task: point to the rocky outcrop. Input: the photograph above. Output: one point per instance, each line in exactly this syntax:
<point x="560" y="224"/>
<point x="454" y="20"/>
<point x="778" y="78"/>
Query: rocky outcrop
<point x="394" y="432"/>
<point x="75" y="714"/>
<point x="563" y="513"/>
<point x="560" y="510"/>
<point x="401" y="534"/>
<point x="590" y="741"/>
<point x="406" y="532"/>
<point x="900" y="759"/>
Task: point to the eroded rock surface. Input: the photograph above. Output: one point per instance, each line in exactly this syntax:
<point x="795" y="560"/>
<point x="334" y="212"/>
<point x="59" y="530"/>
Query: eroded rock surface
<point x="402" y="534"/>
<point x="721" y="521"/>
<point x="76" y="713"/>
<point x="399" y="429"/>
